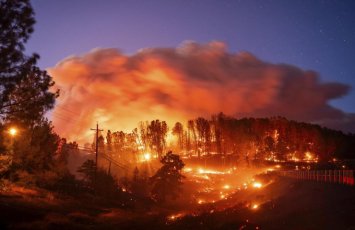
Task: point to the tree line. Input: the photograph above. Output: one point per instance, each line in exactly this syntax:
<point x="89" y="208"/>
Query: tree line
<point x="251" y="139"/>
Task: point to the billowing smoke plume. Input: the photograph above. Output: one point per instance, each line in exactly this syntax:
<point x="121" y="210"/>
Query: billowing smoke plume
<point x="176" y="84"/>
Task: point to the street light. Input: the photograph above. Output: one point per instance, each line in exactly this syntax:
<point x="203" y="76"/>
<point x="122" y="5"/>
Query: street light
<point x="12" y="131"/>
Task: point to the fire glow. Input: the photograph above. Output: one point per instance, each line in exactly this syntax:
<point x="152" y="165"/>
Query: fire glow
<point x="257" y="185"/>
<point x="158" y="81"/>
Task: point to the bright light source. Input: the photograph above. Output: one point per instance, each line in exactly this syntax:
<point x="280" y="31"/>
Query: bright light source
<point x="200" y="201"/>
<point x="175" y="217"/>
<point x="201" y="171"/>
<point x="254" y="206"/>
<point x="13" y="131"/>
<point x="147" y="156"/>
<point x="308" y="156"/>
<point x="257" y="185"/>
<point x="227" y="186"/>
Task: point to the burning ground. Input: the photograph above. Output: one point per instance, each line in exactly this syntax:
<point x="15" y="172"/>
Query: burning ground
<point x="265" y="201"/>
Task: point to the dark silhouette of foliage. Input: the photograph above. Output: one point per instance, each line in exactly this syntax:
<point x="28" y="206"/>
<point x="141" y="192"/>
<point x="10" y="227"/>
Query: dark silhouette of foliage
<point x="16" y="26"/>
<point x="167" y="180"/>
<point x="139" y="184"/>
<point x="178" y="130"/>
<point x="34" y="150"/>
<point x="99" y="181"/>
<point x="157" y="131"/>
<point x="87" y="169"/>
<point x="24" y="95"/>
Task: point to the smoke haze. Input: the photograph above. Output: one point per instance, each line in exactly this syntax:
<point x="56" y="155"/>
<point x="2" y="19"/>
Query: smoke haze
<point x="176" y="84"/>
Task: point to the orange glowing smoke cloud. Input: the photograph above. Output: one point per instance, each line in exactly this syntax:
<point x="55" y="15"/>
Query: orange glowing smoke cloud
<point x="176" y="84"/>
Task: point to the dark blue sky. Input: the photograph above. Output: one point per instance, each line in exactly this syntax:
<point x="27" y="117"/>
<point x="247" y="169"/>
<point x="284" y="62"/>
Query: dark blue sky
<point x="313" y="35"/>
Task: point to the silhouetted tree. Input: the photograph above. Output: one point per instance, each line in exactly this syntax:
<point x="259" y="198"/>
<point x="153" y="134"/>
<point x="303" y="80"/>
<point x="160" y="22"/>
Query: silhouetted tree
<point x="24" y="92"/>
<point x="157" y="131"/>
<point x="35" y="149"/>
<point x="16" y="26"/>
<point x="87" y="169"/>
<point x="24" y="88"/>
<point x="139" y="184"/>
<point x="109" y="140"/>
<point x="192" y="137"/>
<point x="178" y="130"/>
<point x="204" y="134"/>
<point x="167" y="180"/>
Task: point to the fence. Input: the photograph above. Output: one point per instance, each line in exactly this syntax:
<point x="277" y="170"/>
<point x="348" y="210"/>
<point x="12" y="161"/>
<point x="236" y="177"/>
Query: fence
<point x="329" y="176"/>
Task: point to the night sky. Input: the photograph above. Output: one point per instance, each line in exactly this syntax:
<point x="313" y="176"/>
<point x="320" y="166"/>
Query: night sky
<point x="312" y="35"/>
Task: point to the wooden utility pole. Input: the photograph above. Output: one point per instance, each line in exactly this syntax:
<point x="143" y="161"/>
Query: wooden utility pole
<point x="96" y="146"/>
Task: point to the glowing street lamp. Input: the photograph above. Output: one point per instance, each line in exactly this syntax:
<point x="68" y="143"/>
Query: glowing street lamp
<point x="12" y="131"/>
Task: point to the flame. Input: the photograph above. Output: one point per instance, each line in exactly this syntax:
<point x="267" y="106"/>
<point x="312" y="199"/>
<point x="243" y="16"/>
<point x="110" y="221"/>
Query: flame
<point x="200" y="201"/>
<point x="175" y="216"/>
<point x="227" y="186"/>
<point x="147" y="156"/>
<point x="257" y="185"/>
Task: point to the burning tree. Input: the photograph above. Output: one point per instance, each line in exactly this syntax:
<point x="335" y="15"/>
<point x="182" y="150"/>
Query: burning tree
<point x="168" y="179"/>
<point x="178" y="130"/>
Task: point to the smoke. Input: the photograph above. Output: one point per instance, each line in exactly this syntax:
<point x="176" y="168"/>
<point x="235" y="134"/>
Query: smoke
<point x="176" y="84"/>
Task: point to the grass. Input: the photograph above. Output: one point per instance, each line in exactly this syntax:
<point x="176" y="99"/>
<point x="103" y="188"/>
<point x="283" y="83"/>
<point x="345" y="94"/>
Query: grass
<point x="283" y="204"/>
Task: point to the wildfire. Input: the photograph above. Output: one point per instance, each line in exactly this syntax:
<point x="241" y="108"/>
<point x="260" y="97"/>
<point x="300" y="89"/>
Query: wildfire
<point x="209" y="171"/>
<point x="308" y="156"/>
<point x="255" y="206"/>
<point x="227" y="186"/>
<point x="175" y="216"/>
<point x="257" y="185"/>
<point x="200" y="201"/>
<point x="147" y="156"/>
<point x="245" y="185"/>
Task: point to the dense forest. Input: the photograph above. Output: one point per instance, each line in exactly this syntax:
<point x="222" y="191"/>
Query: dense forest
<point x="253" y="139"/>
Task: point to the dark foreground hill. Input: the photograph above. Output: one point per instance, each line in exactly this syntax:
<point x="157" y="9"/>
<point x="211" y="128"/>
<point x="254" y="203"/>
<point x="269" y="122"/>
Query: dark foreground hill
<point x="283" y="204"/>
